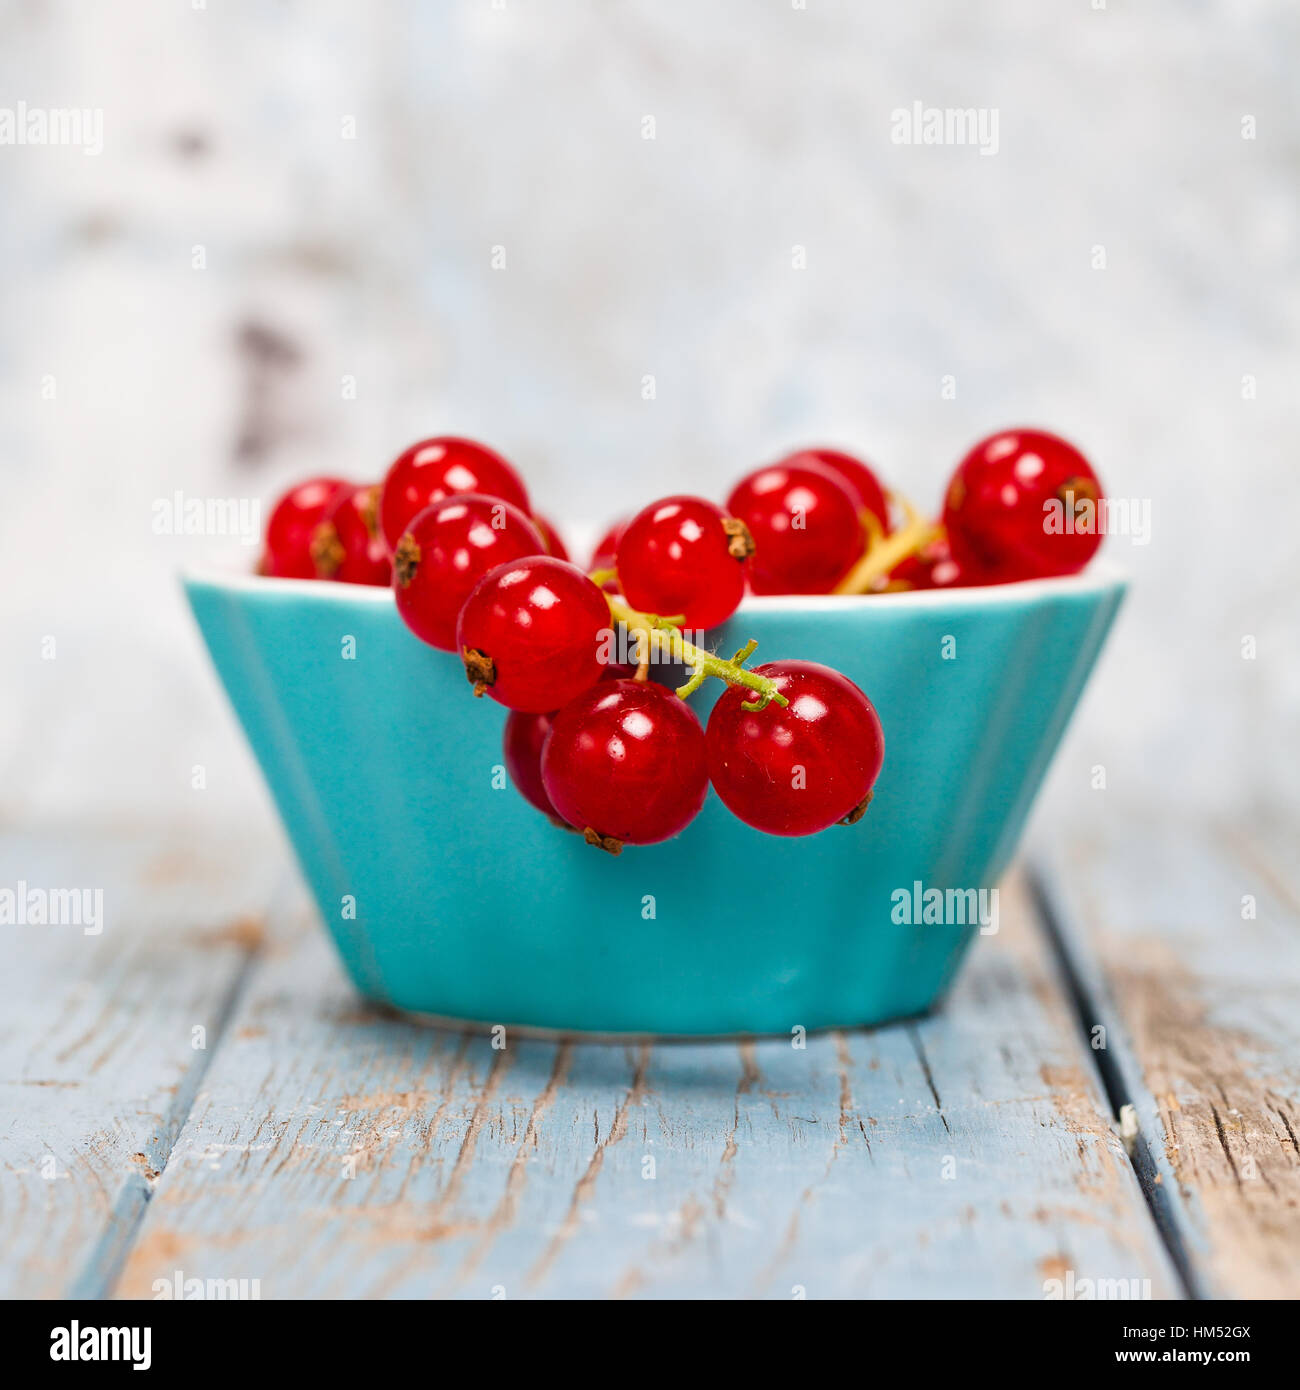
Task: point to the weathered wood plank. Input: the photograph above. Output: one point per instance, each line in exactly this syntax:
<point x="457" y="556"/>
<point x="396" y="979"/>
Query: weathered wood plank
<point x="332" y="1151"/>
<point x="1197" y="938"/>
<point x="97" y="1046"/>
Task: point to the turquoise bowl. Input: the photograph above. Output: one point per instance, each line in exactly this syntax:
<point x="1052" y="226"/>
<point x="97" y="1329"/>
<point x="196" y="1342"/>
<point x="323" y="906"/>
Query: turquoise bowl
<point x="447" y="894"/>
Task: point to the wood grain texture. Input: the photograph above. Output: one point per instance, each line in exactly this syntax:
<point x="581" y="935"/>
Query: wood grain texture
<point x="335" y="1152"/>
<point x="1196" y="939"/>
<point x="97" y="1051"/>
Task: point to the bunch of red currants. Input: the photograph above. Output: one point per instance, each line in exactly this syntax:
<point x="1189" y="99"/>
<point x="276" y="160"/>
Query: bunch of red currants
<point x="791" y="747"/>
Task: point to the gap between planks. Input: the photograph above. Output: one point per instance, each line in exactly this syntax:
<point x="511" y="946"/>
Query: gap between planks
<point x="99" y="1276"/>
<point x="1090" y="1010"/>
<point x="99" y="1058"/>
<point x="102" y="1270"/>
<point x="1191" y="963"/>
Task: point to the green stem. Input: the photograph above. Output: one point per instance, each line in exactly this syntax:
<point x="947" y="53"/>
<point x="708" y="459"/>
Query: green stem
<point x="703" y="664"/>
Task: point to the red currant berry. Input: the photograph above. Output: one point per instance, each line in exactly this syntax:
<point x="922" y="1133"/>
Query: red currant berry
<point x="859" y="479"/>
<point x="435" y="468"/>
<point x="534" y="633"/>
<point x="1023" y="505"/>
<point x="551" y="538"/>
<point x="795" y="770"/>
<point x="684" y="556"/>
<point x="446" y="550"/>
<point x="293" y="523"/>
<point x="522" y="744"/>
<point x="931" y="567"/>
<point x="347" y="546"/>
<point x="805" y="524"/>
<point x="625" y="764"/>
<point x="605" y="556"/>
<point x="525" y="738"/>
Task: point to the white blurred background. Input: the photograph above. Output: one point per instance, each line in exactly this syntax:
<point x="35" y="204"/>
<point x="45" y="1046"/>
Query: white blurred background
<point x="295" y="195"/>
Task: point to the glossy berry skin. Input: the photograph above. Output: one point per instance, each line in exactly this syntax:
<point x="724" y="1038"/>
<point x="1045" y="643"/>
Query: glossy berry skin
<point x="677" y="558"/>
<point x="625" y="759"/>
<point x="798" y="769"/>
<point x="859" y="479"/>
<point x="805" y="524"/>
<point x="605" y="556"/>
<point x="347" y="546"/>
<point x="551" y="538"/>
<point x="521" y="745"/>
<point x="445" y="551"/>
<point x="436" y="468"/>
<point x="1005" y="497"/>
<point x="525" y="738"/>
<point x="932" y="567"/>
<point x="293" y="524"/>
<point x="531" y="633"/>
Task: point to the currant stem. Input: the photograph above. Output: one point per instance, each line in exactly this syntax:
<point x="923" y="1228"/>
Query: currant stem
<point x="884" y="552"/>
<point x="652" y="631"/>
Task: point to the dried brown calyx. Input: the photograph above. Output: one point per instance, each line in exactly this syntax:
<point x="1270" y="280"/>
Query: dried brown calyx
<point x="406" y="559"/>
<point x="326" y="549"/>
<point x="480" y="669"/>
<point x="606" y="842"/>
<point x="370" y="511"/>
<point x="740" y="544"/>
<point x="1078" y="494"/>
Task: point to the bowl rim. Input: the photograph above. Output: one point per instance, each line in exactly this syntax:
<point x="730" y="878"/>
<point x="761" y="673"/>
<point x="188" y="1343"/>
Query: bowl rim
<point x="1097" y="578"/>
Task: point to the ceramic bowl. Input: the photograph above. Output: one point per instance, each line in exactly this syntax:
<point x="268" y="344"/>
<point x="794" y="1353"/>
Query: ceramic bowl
<point x="447" y="894"/>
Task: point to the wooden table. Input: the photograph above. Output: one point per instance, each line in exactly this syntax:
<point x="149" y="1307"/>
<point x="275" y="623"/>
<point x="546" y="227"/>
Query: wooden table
<point x="1111" y="1093"/>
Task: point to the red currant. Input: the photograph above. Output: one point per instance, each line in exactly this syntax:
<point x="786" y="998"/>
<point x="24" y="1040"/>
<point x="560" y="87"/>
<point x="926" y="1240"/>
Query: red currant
<point x="446" y="550"/>
<point x="684" y="556"/>
<point x="435" y="468"/>
<point x="522" y="744"/>
<point x="293" y="523"/>
<point x="625" y="764"/>
<point x="795" y="770"/>
<point x="859" y="479"/>
<point x="534" y="633"/>
<point x="525" y="738"/>
<point x="1023" y="505"/>
<point x="931" y="567"/>
<point x="551" y="538"/>
<point x="605" y="556"/>
<point x="347" y="546"/>
<point x="805" y="524"/>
